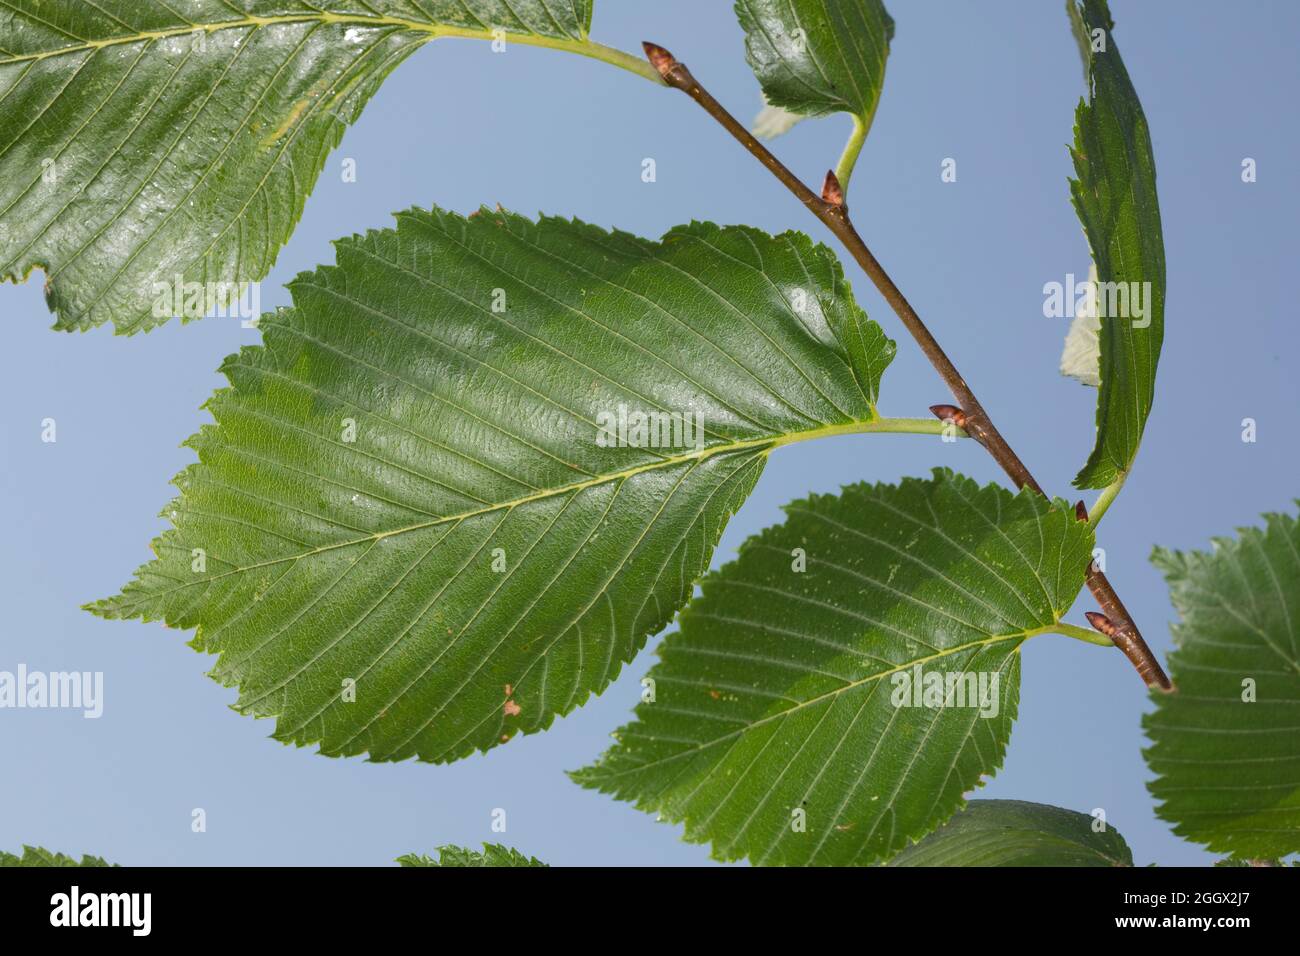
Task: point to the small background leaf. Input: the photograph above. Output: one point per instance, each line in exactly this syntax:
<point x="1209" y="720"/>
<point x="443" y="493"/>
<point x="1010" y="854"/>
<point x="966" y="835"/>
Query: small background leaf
<point x="814" y="58"/>
<point x="1227" y="770"/>
<point x="1017" y="833"/>
<point x="492" y="854"/>
<point x="144" y="140"/>
<point x="35" y="856"/>
<point x="777" y="695"/>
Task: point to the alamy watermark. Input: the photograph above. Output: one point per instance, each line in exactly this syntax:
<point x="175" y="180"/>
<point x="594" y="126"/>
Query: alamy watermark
<point x="179" y="299"/>
<point x="62" y="690"/>
<point x="917" y="687"/>
<point x="624" y="428"/>
<point x="1110" y="300"/>
<point x="74" y="908"/>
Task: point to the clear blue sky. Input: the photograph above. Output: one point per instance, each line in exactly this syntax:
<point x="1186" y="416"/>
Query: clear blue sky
<point x="992" y="85"/>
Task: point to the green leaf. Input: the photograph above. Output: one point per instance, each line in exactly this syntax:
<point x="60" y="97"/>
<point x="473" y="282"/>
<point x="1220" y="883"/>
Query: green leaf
<point x="1115" y="197"/>
<point x="494" y="854"/>
<point x="147" y="140"/>
<point x="35" y="856"/>
<point x="409" y="487"/>
<point x="815" y="58"/>
<point x="1017" y="833"/>
<point x="1235" y="863"/>
<point x="787" y="697"/>
<point x="1225" y="747"/>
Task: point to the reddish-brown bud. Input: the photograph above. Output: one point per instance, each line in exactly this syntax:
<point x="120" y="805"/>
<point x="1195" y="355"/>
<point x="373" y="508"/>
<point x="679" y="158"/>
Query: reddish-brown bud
<point x="1080" y="511"/>
<point x="659" y="58"/>
<point x="1101" y="622"/>
<point x="950" y="413"/>
<point x="832" y="192"/>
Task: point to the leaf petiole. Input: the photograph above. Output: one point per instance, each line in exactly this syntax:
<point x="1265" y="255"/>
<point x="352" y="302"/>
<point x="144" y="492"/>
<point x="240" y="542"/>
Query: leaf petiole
<point x="1085" y="634"/>
<point x="889" y="426"/>
<point x="1104" y="500"/>
<point x="849" y="158"/>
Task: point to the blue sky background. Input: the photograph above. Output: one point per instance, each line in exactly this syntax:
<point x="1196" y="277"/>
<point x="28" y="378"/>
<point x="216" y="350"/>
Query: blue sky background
<point x="993" y="85"/>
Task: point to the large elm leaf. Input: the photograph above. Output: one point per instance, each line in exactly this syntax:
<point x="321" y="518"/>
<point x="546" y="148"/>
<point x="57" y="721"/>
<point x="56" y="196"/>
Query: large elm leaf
<point x="407" y="487"/>
<point x="1225" y="747"/>
<point x="1018" y="833"/>
<point x="813" y="58"/>
<point x="786" y="726"/>
<point x="492" y="855"/>
<point x="145" y="139"/>
<point x="35" y="856"/>
<point x="1115" y="197"/>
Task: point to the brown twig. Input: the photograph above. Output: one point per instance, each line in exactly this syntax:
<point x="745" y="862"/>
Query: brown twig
<point x="830" y="208"/>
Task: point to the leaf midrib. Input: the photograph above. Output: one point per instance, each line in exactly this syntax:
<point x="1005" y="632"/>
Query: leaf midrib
<point x="765" y="445"/>
<point x="433" y="30"/>
<point x="852" y="685"/>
